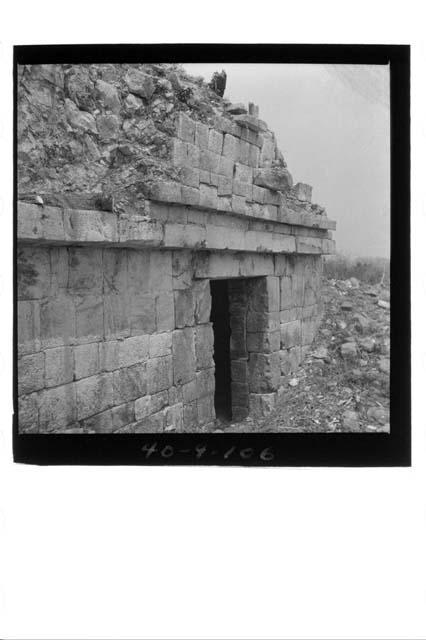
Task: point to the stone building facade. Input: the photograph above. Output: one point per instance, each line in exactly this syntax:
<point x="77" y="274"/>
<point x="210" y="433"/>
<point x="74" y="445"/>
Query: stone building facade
<point x="168" y="269"/>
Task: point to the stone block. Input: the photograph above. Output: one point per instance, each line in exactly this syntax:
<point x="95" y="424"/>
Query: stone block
<point x="184" y="308"/>
<point x="190" y="196"/>
<point x="274" y="178"/>
<point x="264" y="372"/>
<point x="236" y="108"/>
<point x="288" y="315"/>
<point x="231" y="146"/>
<point x="239" y="370"/>
<point x="215" y="141"/>
<point x="165" y="312"/>
<point x="243" y="152"/>
<point x="89" y="226"/>
<point x="31" y="373"/>
<point x="94" y="395"/>
<point x="58" y="407"/>
<point x="99" y="423"/>
<point x="208" y="196"/>
<point x="205" y="410"/>
<point x="166" y="191"/>
<point x="226" y="167"/>
<point x="33" y="273"/>
<point x="224" y="203"/>
<point x="122" y="415"/>
<point x="133" y="350"/>
<point x="259" y="194"/>
<point x="108" y="355"/>
<point x="160" y="344"/>
<point x="239" y="205"/>
<point x="87" y="360"/>
<point x="152" y="424"/>
<point x="58" y="269"/>
<point x="189" y="177"/>
<point x="183" y="346"/>
<point x="179" y="153"/>
<point x="186" y="128"/>
<point x="240" y="394"/>
<point x="129" y="383"/>
<point x="204" y="346"/>
<point x="59" y="366"/>
<point x="201" y="135"/>
<point x="189" y="390"/>
<point x="309" y="329"/>
<point x="224" y="186"/>
<point x="28" y="413"/>
<point x="253" y="156"/>
<point x="265" y="342"/>
<point x="57" y="321"/>
<point x="262" y="404"/>
<point x="265" y="294"/>
<point x="89" y="318"/>
<point x="259" y="321"/>
<point x="291" y="334"/>
<point x="238" y="344"/>
<point x="190" y="416"/>
<point x="143" y="407"/>
<point x="193" y="156"/>
<point x="175" y="395"/>
<point x="243" y="173"/>
<point x="173" y="417"/>
<point x="202" y="301"/>
<point x="239" y="413"/>
<point x="240" y="188"/>
<point x="115" y="270"/>
<point x="159" y="374"/>
<point x="209" y="161"/>
<point x="119" y="313"/>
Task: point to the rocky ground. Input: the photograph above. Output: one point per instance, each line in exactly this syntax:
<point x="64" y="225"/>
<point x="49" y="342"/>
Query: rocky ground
<point x="343" y="383"/>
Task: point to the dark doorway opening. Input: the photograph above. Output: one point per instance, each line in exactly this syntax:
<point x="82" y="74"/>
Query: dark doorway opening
<point x="222" y="358"/>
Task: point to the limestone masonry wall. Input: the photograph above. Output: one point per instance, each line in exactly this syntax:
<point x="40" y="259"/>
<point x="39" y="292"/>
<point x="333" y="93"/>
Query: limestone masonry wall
<point x="137" y="185"/>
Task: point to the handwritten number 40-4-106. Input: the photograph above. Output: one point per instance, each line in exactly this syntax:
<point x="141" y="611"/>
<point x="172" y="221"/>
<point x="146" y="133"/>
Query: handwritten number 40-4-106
<point x="200" y="451"/>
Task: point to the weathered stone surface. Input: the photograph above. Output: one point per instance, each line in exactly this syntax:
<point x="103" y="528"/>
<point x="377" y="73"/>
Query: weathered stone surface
<point x="265" y="342"/>
<point x="291" y="334"/>
<point x="173" y="417"/>
<point x="58" y="407"/>
<point x="129" y="383"/>
<point x="204" y="346"/>
<point x="183" y="356"/>
<point x="31" y="373"/>
<point x="59" y="366"/>
<point x="33" y="272"/>
<point x="258" y="321"/>
<point x="205" y="410"/>
<point x="152" y="424"/>
<point x="57" y="322"/>
<point x="89" y="318"/>
<point x="202" y="301"/>
<point x="184" y="308"/>
<point x="122" y="415"/>
<point x="28" y="413"/>
<point x="276" y="178"/>
<point x="85" y="270"/>
<point x="160" y="344"/>
<point x="186" y="128"/>
<point x="164" y="312"/>
<point x="159" y="374"/>
<point x="94" y="394"/>
<point x="133" y="350"/>
<point x="350" y="420"/>
<point x="28" y="326"/>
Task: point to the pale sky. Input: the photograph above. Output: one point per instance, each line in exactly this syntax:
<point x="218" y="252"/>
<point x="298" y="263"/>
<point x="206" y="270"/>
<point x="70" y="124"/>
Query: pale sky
<point x="332" y="125"/>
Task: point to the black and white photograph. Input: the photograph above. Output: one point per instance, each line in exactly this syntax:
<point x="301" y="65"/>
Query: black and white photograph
<point x="203" y="248"/>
